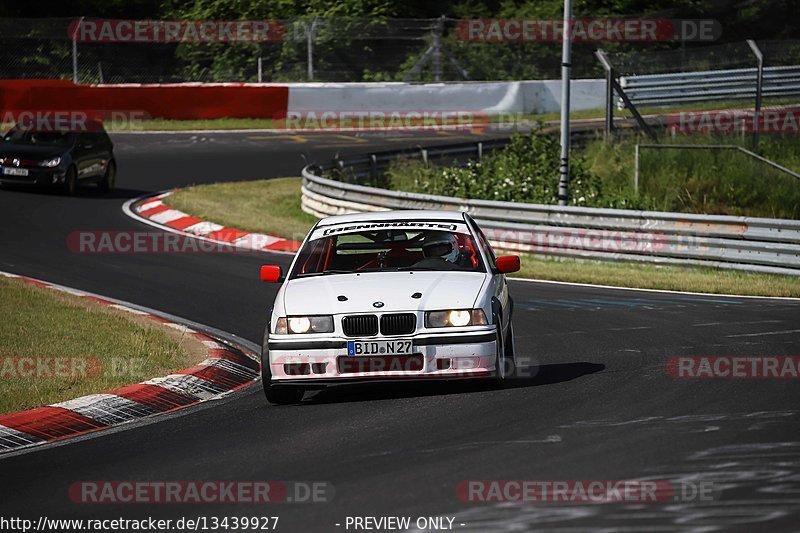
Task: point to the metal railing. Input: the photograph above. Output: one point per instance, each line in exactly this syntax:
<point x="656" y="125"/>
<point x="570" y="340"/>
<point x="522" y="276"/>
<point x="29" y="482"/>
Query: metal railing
<point x="668" y="89"/>
<point x="731" y="242"/>
<point x="370" y="166"/>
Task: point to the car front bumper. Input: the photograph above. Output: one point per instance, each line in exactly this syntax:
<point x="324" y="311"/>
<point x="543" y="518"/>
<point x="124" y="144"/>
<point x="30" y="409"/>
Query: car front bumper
<point x="317" y="362"/>
<point x="39" y="176"/>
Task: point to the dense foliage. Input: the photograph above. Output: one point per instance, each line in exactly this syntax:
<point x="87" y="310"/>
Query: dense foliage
<point x="526" y="170"/>
<point x="679" y="180"/>
<point x="343" y="55"/>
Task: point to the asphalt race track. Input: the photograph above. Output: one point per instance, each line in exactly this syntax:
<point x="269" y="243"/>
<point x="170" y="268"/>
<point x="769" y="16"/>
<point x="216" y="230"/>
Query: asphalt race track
<point x="598" y="403"/>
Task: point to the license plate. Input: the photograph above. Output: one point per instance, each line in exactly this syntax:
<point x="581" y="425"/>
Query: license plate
<point x="357" y="348"/>
<point x="11" y="171"/>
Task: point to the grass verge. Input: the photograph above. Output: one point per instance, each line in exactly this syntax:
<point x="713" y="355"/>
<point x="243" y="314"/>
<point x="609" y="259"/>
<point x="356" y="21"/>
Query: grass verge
<point x="162" y="124"/>
<point x="55" y="346"/>
<point x="273" y="207"/>
<point x="265" y="206"/>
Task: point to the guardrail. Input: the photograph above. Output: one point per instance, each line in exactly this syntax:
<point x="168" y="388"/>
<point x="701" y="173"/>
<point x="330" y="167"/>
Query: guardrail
<point x="665" y="89"/>
<point x="741" y="243"/>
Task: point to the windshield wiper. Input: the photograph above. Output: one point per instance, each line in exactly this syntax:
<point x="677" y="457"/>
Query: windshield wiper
<point x="308" y="275"/>
<point x="426" y="269"/>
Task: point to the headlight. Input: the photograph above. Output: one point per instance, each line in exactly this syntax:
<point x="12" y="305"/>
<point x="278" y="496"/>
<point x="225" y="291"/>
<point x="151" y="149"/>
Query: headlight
<point x="455" y="317"/>
<point x="304" y="324"/>
<point x="50" y="163"/>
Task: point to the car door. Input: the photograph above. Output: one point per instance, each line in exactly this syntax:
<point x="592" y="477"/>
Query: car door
<point x="83" y="155"/>
<point x="96" y="154"/>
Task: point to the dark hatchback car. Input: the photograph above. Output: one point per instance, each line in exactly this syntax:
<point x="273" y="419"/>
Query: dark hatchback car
<point x="64" y="159"/>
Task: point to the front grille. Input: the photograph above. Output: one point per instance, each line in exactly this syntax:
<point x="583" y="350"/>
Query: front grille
<point x="360" y="325"/>
<point x="398" y="324"/>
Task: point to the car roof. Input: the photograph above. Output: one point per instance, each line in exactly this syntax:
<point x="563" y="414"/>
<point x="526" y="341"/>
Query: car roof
<point x="380" y="216"/>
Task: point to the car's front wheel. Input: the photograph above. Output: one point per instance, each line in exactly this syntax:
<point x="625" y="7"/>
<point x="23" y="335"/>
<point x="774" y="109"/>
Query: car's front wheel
<point x="71" y="181"/>
<point x="510" y="353"/>
<point x="276" y="394"/>
<point x="500" y="354"/>
<point x="109" y="178"/>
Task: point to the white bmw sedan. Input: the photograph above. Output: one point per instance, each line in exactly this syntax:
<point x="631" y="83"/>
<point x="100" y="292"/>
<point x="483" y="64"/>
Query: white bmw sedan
<point x="397" y="295"/>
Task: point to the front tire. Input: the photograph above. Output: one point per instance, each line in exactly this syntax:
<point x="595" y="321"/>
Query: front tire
<point x="71" y="181"/>
<point x="109" y="178"/>
<point x="510" y="353"/>
<point x="500" y="357"/>
<point x="276" y="394"/>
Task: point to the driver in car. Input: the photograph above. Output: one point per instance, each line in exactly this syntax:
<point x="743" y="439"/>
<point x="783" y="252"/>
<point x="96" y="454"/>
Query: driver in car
<point x="440" y="251"/>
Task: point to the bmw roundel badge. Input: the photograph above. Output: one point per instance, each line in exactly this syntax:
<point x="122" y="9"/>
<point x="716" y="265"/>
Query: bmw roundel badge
<point x="377" y="304"/>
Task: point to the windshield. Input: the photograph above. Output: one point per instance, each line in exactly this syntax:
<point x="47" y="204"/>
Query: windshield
<point x="388" y="250"/>
<point x="39" y="138"/>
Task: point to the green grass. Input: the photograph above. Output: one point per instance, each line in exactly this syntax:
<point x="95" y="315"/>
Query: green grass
<point x="710" y="181"/>
<point x="41" y="323"/>
<point x="162" y="124"/>
<point x="267" y="206"/>
<point x="273" y="207"/>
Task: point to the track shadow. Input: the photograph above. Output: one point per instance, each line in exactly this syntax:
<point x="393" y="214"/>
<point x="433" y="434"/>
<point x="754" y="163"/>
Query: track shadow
<point x="530" y="377"/>
<point x="85" y="191"/>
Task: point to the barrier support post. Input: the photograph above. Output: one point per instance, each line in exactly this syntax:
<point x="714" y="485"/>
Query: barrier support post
<point x="609" y="122"/>
<point x="759" y="87"/>
<point x="75" y="51"/>
<point x="566" y="52"/>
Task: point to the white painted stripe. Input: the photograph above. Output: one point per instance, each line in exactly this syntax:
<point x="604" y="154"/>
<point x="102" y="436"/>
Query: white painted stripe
<point x="9" y="275"/>
<point x="188" y="385"/>
<point x="255" y="241"/>
<point x="107" y="409"/>
<point x="129" y="310"/>
<point x="11" y="438"/>
<point x="179" y="327"/>
<point x="664" y="291"/>
<point x="784" y="332"/>
<point x="214" y="345"/>
<point x="149" y="205"/>
<point x="203" y="228"/>
<point x="74" y="292"/>
<point x="167" y="216"/>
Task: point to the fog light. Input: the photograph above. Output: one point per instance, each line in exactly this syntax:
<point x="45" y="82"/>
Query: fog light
<point x="297" y="369"/>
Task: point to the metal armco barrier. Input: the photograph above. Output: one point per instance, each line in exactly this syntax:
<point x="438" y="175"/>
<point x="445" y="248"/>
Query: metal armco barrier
<point x="742" y="243"/>
<point x="668" y="89"/>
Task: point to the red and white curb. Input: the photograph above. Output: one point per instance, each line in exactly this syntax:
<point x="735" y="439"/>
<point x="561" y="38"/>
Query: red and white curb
<point x="153" y="211"/>
<point x="227" y="368"/>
